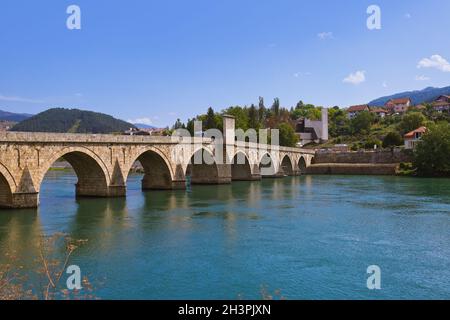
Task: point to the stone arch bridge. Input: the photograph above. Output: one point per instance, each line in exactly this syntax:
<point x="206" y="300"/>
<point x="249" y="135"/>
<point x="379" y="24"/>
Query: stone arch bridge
<point x="102" y="162"/>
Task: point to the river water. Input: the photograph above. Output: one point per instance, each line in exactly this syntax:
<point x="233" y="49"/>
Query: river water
<point x="310" y="237"/>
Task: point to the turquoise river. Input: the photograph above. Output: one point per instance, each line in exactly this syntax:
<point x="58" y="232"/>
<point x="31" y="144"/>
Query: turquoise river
<point x="310" y="237"/>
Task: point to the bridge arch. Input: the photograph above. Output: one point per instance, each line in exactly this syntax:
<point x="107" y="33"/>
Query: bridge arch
<point x="202" y="168"/>
<point x="240" y="167"/>
<point x="287" y="166"/>
<point x="302" y="165"/>
<point x="158" y="173"/>
<point x="93" y="175"/>
<point x="7" y="185"/>
<point x="267" y="165"/>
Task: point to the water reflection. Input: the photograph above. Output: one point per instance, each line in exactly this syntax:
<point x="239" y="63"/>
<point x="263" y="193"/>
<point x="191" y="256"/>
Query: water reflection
<point x="305" y="235"/>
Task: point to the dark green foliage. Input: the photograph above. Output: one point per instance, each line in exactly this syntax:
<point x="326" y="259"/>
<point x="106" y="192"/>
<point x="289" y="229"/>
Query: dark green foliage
<point x="276" y="107"/>
<point x="392" y="139"/>
<point x="288" y="138"/>
<point x="362" y="122"/>
<point x="253" y="117"/>
<point x="432" y="154"/>
<point x="73" y="121"/>
<point x="210" y="122"/>
<point x="411" y="121"/>
<point x="371" y="142"/>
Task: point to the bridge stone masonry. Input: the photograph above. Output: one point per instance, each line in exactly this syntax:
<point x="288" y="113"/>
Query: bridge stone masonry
<point x="102" y="162"/>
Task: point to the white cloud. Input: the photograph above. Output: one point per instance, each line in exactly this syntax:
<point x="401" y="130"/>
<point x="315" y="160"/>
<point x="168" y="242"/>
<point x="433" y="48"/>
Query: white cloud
<point x="302" y="74"/>
<point x="356" y="78"/>
<point x="146" y="121"/>
<point x="384" y="84"/>
<point x="408" y="16"/>
<point x="421" y="78"/>
<point x="435" y="61"/>
<point x="172" y="114"/>
<point x="325" y="35"/>
<point x="19" y="99"/>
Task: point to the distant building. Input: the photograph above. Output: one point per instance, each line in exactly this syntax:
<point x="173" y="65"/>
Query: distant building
<point x="313" y="130"/>
<point x="398" y="105"/>
<point x="6" y="125"/>
<point x="442" y="103"/>
<point x="379" y="112"/>
<point x="135" y="132"/>
<point x="413" y="137"/>
<point x="354" y="110"/>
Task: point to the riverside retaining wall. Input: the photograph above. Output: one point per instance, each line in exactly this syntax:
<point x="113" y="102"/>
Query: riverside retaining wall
<point x="379" y="162"/>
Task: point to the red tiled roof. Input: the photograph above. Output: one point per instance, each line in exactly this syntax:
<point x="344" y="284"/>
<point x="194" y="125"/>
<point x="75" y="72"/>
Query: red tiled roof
<point x="399" y="101"/>
<point x="411" y="134"/>
<point x="378" y="110"/>
<point x="363" y="107"/>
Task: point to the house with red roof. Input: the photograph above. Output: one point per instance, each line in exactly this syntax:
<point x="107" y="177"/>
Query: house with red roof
<point x="398" y="105"/>
<point x="442" y="103"/>
<point x="413" y="137"/>
<point x="379" y="112"/>
<point x="354" y="110"/>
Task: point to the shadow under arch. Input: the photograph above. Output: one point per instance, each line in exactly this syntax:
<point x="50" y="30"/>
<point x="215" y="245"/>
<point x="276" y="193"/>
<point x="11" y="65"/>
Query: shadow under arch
<point x="267" y="166"/>
<point x="93" y="177"/>
<point x="5" y="192"/>
<point x="286" y="166"/>
<point x="302" y="165"/>
<point x="202" y="168"/>
<point x="240" y="168"/>
<point x="157" y="172"/>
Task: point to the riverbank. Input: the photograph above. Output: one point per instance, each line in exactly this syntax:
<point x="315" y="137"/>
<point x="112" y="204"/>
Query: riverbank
<point x="374" y="162"/>
<point x="354" y="169"/>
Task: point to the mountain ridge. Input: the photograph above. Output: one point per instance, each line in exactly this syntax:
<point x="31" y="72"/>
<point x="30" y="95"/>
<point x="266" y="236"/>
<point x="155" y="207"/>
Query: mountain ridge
<point x="417" y="96"/>
<point x="13" y="117"/>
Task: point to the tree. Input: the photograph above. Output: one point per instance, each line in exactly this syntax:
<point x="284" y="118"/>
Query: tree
<point x="241" y="116"/>
<point x="371" y="142"/>
<point x="392" y="139"/>
<point x="178" y="125"/>
<point x="299" y="105"/>
<point x="362" y="122"/>
<point x="288" y="138"/>
<point x="210" y="122"/>
<point x="253" y="117"/>
<point x="432" y="154"/>
<point x="276" y="107"/>
<point x="261" y="110"/>
<point x="412" y="121"/>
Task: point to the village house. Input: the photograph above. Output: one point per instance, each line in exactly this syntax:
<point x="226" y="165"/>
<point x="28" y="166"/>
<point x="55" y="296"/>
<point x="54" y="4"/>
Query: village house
<point x="379" y="112"/>
<point x="413" y="137"/>
<point x="398" y="105"/>
<point x="442" y="103"/>
<point x="354" y="110"/>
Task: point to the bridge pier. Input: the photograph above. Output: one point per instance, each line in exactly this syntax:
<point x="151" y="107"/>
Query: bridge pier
<point x="23" y="200"/>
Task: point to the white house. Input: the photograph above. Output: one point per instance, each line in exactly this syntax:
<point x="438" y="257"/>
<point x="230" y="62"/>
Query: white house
<point x="413" y="137"/>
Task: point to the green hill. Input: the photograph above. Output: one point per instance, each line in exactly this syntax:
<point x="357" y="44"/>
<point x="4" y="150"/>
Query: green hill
<point x="72" y="121"/>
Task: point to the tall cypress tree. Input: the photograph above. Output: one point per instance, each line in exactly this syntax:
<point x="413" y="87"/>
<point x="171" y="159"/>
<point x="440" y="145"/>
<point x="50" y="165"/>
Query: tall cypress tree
<point x="253" y="117"/>
<point x="261" y="110"/>
<point x="276" y="107"/>
<point x="210" y="119"/>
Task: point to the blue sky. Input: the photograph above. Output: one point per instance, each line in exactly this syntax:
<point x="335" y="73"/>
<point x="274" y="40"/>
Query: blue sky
<point x="161" y="60"/>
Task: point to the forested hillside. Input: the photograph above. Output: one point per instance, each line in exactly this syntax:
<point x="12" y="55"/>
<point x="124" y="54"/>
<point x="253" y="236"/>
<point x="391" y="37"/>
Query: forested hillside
<point x="72" y="121"/>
